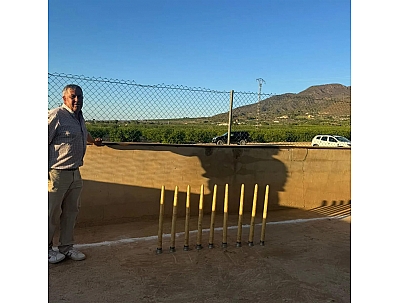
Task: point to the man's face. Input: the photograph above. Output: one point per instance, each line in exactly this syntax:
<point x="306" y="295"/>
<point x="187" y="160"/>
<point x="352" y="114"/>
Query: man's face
<point x="73" y="99"/>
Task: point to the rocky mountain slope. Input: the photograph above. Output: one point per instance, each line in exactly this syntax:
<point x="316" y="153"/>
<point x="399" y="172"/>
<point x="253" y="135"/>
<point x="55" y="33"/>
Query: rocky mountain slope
<point x="329" y="101"/>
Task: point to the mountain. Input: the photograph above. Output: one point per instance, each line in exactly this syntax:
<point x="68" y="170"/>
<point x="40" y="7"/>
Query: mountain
<point x="331" y="102"/>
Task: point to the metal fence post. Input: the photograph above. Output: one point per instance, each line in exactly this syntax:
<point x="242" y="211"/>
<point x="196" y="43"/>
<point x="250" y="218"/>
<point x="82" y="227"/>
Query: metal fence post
<point x="230" y="118"/>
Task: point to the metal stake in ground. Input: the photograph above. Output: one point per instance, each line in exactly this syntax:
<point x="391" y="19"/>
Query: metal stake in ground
<point x="174" y="216"/>
<point x="200" y="221"/>
<point x="212" y="224"/>
<point x="264" y="221"/>
<point x="240" y="220"/>
<point x="186" y="245"/>
<point x="225" y="225"/>
<point x="253" y="216"/>
<point x="160" y="221"/>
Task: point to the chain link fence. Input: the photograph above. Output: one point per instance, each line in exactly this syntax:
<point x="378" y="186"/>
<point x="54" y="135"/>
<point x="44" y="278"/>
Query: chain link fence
<point x="125" y="111"/>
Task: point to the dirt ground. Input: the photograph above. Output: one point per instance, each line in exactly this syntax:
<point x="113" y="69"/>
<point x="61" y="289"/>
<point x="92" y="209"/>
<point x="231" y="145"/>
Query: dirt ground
<point x="306" y="258"/>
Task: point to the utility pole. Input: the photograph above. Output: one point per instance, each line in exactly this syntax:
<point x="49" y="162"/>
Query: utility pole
<point x="260" y="83"/>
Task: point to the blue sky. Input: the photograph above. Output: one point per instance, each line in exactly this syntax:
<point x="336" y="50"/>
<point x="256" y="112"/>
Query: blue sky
<point x="219" y="45"/>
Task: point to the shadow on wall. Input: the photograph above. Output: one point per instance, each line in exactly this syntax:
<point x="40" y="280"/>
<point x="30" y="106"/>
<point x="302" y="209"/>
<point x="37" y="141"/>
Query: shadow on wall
<point x="236" y="166"/>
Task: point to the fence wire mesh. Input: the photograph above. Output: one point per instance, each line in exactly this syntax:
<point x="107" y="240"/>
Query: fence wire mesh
<point x="125" y="111"/>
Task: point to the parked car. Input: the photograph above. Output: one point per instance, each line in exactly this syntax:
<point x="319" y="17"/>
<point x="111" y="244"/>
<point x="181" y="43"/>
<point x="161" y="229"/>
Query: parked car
<point x="330" y="140"/>
<point x="240" y="138"/>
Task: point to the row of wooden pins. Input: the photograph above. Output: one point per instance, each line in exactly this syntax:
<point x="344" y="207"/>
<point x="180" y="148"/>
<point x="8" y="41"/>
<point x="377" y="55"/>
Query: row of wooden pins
<point x="212" y="223"/>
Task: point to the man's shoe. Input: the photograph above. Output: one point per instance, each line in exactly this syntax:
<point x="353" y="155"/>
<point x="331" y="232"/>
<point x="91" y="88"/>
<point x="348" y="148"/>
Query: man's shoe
<point x="55" y="256"/>
<point x="75" y="255"/>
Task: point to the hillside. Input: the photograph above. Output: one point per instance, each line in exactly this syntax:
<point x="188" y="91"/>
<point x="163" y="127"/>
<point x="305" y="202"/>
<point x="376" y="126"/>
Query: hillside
<point x="330" y="102"/>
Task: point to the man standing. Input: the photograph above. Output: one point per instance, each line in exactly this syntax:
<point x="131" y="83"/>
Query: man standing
<point x="68" y="137"/>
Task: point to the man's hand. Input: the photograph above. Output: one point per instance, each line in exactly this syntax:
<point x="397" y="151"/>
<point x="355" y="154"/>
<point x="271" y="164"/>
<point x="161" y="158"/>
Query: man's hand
<point x="98" y="142"/>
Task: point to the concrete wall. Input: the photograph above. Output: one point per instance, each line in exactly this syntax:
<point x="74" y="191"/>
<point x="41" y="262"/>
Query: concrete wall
<point x="123" y="181"/>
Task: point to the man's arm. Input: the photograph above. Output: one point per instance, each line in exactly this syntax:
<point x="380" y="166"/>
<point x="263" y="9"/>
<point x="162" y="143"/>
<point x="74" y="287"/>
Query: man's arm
<point x="52" y="121"/>
<point x="97" y="141"/>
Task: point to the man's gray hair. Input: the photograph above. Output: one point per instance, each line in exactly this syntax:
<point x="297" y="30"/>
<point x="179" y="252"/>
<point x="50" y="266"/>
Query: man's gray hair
<point x="70" y="86"/>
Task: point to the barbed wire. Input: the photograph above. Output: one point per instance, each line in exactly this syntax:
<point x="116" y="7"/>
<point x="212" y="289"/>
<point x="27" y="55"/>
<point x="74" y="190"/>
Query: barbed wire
<point x="132" y="82"/>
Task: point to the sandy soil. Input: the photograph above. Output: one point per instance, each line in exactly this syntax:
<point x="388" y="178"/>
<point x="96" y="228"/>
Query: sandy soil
<point x="306" y="258"/>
